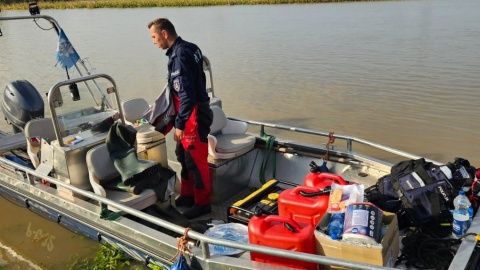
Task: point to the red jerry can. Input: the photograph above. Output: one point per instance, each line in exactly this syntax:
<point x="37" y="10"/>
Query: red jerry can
<point x="284" y="233"/>
<point x="322" y="179"/>
<point x="303" y="204"/>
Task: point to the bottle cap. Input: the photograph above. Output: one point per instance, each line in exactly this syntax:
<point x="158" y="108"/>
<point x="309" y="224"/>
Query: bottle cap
<point x="273" y="196"/>
<point x="335" y="207"/>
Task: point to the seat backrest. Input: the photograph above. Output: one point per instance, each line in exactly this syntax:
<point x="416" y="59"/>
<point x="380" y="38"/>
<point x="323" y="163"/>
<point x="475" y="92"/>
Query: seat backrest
<point x="134" y="108"/>
<point x="100" y="164"/>
<point x="219" y="120"/>
<point x="41" y="128"/>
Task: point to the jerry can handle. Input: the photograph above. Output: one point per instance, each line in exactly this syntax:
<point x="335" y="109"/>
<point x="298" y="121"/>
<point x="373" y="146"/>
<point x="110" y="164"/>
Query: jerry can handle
<point x="326" y="190"/>
<point x="288" y="222"/>
<point x="333" y="177"/>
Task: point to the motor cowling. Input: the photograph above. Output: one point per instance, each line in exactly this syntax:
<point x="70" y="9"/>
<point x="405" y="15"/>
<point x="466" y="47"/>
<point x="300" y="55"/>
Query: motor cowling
<point x="21" y="103"/>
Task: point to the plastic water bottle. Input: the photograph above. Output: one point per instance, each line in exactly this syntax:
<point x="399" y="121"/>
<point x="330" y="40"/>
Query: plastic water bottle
<point x="461" y="217"/>
<point x="470" y="216"/>
<point x="335" y="227"/>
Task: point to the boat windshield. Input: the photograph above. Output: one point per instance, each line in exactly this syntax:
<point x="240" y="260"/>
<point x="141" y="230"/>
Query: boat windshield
<point x="78" y="108"/>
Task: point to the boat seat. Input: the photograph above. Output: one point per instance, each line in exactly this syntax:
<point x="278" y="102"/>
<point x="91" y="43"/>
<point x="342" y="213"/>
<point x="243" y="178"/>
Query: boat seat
<point x="133" y="109"/>
<point x="35" y="131"/>
<point x="101" y="171"/>
<point x="227" y="138"/>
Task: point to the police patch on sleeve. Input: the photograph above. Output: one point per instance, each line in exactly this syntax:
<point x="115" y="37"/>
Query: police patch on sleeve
<point x="175" y="73"/>
<point x="176" y="85"/>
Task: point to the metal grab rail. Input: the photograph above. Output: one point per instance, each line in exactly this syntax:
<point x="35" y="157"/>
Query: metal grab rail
<point x="46" y="17"/>
<point x="349" y="139"/>
<point x="204" y="240"/>
<point x="56" y="87"/>
<point x="207" y="66"/>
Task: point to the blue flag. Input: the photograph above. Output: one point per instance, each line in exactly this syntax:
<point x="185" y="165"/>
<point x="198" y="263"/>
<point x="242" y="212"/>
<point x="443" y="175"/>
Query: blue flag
<point x="66" y="54"/>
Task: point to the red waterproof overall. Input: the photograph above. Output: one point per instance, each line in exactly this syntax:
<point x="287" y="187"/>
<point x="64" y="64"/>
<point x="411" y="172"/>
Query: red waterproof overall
<point x="192" y="153"/>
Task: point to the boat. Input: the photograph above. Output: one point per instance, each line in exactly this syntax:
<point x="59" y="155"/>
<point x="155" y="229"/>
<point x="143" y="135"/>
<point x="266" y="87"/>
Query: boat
<point x="61" y="183"/>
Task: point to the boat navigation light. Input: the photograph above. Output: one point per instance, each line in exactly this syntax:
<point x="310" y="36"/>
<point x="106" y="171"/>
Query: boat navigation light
<point x="33" y="8"/>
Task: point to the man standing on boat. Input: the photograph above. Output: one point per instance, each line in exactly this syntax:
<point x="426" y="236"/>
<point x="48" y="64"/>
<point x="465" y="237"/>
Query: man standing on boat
<point x="188" y="88"/>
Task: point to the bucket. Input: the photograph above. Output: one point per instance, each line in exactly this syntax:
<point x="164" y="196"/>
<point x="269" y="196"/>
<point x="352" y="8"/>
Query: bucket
<point x="151" y="145"/>
<point x="363" y="223"/>
<point x="303" y="204"/>
<point x="284" y="233"/>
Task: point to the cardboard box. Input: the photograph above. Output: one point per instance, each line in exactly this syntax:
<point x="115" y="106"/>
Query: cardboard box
<point x="384" y="254"/>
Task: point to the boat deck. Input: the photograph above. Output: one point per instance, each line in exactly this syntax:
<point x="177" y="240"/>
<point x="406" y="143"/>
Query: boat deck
<point x="219" y="211"/>
<point x="11" y="141"/>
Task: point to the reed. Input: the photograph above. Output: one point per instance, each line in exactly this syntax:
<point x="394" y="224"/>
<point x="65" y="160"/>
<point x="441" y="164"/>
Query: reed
<point x="13" y="5"/>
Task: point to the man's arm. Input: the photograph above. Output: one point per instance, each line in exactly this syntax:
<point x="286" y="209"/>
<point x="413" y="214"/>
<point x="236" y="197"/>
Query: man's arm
<point x="184" y="84"/>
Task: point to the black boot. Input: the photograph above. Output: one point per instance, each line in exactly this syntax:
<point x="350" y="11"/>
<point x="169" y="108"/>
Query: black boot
<point x="186" y="201"/>
<point x="197" y="210"/>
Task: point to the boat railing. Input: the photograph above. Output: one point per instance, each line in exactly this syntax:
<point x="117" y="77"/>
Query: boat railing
<point x="207" y="67"/>
<point x="349" y="140"/>
<point x="204" y="240"/>
<point x="56" y="88"/>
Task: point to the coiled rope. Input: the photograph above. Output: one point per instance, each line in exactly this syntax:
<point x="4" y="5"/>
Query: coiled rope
<point x="425" y="250"/>
<point x="182" y="246"/>
<point x="331" y="140"/>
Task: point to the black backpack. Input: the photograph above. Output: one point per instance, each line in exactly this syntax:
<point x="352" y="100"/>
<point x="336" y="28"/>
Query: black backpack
<point x="420" y="192"/>
<point x="383" y="195"/>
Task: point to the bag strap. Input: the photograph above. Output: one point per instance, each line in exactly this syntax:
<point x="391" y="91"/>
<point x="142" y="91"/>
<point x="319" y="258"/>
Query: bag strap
<point x="424" y="175"/>
<point x="435" y="204"/>
<point x="420" y="165"/>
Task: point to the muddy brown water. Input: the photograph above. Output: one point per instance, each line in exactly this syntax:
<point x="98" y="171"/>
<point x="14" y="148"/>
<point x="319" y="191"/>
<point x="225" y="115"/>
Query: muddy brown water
<point x="400" y="73"/>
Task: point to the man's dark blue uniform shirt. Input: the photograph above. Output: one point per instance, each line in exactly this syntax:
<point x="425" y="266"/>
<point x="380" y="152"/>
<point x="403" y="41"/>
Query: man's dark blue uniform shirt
<point x="186" y="77"/>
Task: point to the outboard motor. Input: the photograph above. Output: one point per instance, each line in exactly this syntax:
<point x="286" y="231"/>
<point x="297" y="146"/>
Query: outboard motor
<point x="21" y="103"/>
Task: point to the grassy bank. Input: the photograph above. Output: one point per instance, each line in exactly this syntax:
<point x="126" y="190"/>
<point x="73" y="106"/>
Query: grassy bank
<point x="11" y="5"/>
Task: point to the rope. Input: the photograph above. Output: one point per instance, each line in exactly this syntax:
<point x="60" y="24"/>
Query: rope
<point x="331" y="140"/>
<point x="182" y="246"/>
<point x="269" y="141"/>
<point x="423" y="250"/>
<point x="107" y="214"/>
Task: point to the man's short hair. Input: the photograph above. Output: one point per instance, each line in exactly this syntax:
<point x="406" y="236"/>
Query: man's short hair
<point x="163" y="24"/>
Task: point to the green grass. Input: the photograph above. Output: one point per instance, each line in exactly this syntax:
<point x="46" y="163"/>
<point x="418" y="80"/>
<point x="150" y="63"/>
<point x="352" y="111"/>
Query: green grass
<point x="109" y="258"/>
<point x="15" y="5"/>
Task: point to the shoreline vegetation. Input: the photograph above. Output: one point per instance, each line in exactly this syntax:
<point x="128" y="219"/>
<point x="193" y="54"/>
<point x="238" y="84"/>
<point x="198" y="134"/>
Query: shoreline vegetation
<point x="75" y="4"/>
